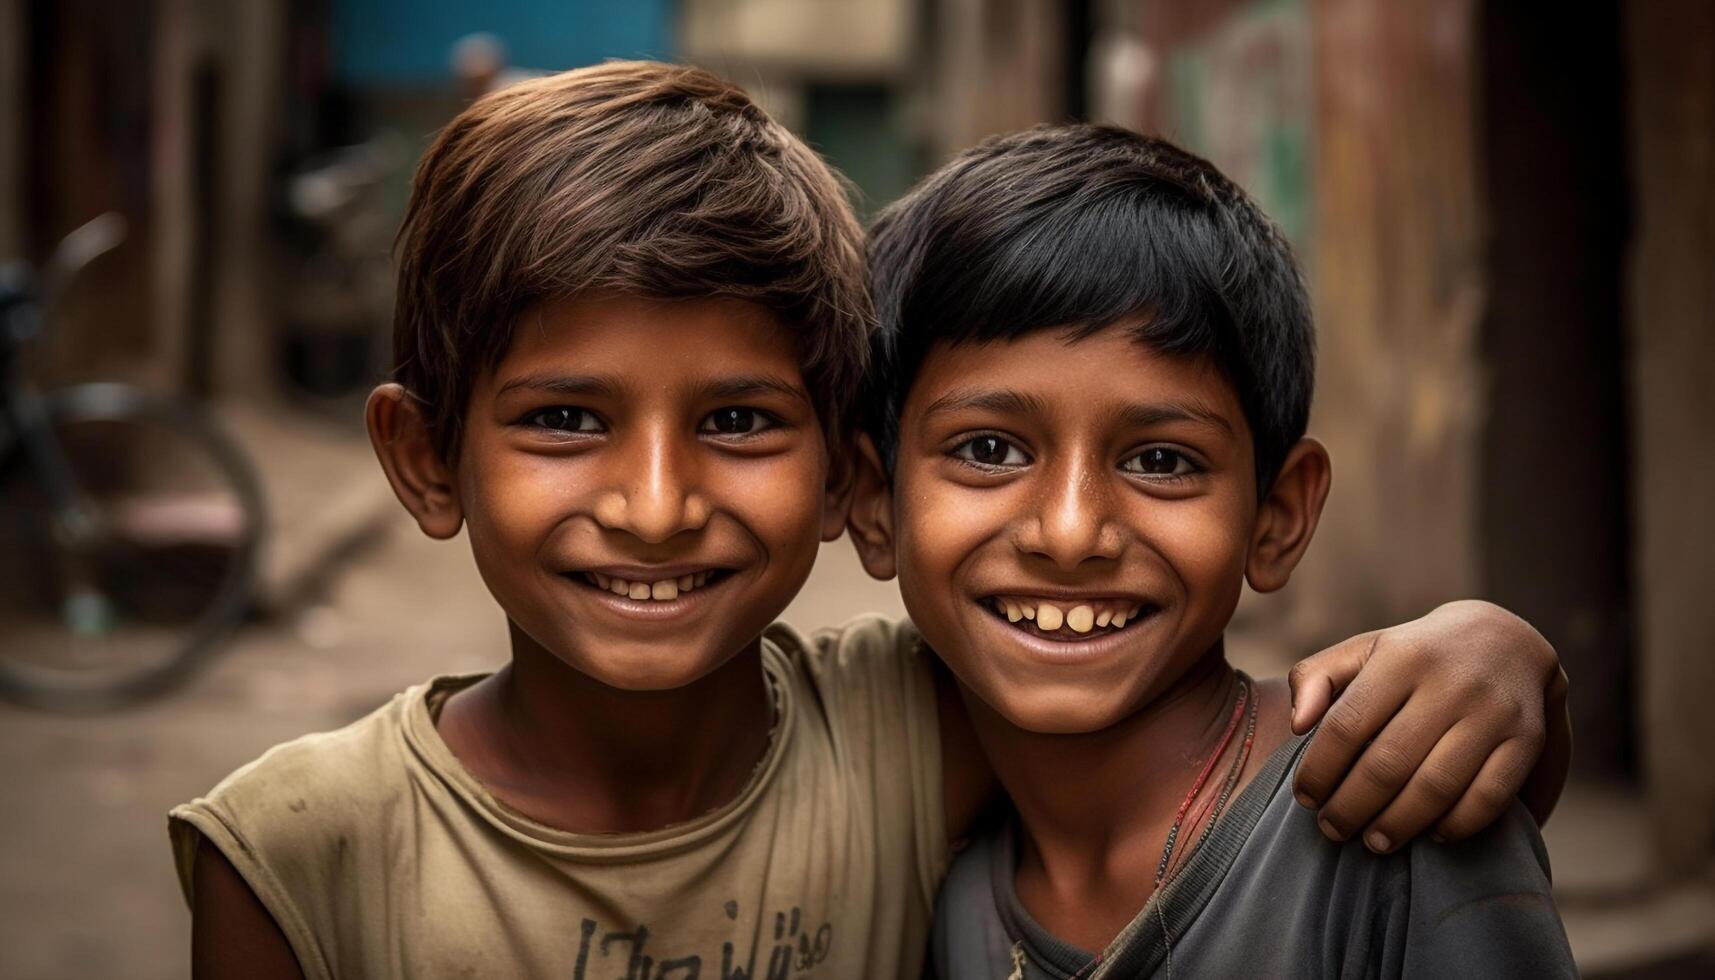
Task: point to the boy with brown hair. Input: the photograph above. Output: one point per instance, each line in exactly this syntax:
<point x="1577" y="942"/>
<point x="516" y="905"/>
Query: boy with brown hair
<point x="632" y="322"/>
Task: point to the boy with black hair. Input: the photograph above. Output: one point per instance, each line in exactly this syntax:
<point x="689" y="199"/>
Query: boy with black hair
<point x="1095" y="370"/>
<point x="632" y="318"/>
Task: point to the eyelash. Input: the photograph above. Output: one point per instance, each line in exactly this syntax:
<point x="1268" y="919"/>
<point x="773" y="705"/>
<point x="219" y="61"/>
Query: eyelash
<point x="958" y="453"/>
<point x="1185" y="458"/>
<point x="964" y="453"/>
<point x="532" y="419"/>
<point x="768" y="422"/>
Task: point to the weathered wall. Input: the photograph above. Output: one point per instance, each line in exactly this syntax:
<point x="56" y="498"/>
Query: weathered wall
<point x="995" y="66"/>
<point x="1398" y="280"/>
<point x="1673" y="384"/>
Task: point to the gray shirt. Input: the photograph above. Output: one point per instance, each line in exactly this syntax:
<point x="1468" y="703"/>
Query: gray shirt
<point x="1266" y="895"/>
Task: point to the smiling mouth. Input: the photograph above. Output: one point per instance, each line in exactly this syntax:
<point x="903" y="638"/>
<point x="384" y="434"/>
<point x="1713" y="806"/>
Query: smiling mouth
<point x="1067" y="621"/>
<point x="660" y="590"/>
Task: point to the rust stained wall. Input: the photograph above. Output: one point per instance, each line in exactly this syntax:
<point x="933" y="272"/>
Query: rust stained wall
<point x="1672" y="314"/>
<point x="1397" y="279"/>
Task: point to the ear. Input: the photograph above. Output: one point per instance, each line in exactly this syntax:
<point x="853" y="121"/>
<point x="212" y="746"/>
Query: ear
<point x="421" y="480"/>
<point x="837" y="498"/>
<point x="871" y="520"/>
<point x="1287" y="517"/>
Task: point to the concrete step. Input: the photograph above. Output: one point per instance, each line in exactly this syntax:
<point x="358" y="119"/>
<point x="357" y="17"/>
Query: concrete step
<point x="1624" y="918"/>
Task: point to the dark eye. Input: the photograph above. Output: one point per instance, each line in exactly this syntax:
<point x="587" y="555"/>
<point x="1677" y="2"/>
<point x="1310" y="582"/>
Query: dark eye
<point x="565" y="419"/>
<point x="1159" y="461"/>
<point x="735" y="421"/>
<point x="991" y="451"/>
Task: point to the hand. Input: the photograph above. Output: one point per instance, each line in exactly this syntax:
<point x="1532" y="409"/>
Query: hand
<point x="1441" y="721"/>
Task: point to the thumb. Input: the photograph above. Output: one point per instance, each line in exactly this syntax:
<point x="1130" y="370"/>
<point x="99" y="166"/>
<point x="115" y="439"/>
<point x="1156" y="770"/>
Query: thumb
<point x="1319" y="678"/>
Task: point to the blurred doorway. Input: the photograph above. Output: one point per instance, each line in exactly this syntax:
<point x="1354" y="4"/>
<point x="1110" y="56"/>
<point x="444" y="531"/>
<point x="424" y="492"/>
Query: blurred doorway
<point x="1555" y="459"/>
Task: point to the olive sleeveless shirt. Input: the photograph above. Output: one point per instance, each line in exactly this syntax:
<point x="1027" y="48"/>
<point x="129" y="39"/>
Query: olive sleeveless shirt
<point x="379" y="855"/>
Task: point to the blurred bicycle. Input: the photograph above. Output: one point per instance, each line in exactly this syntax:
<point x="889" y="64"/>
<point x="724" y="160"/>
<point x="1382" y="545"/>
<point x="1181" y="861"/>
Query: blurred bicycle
<point x="130" y="524"/>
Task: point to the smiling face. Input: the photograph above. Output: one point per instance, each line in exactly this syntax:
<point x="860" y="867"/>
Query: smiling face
<point x="644" y="483"/>
<point x="1072" y="520"/>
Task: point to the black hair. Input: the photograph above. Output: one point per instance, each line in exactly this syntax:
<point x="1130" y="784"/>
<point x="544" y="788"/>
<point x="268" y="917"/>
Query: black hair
<point x="1080" y="227"/>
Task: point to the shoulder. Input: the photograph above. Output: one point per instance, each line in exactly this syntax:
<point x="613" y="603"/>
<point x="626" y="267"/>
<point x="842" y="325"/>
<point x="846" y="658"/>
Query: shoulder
<point x="301" y="821"/>
<point x="288" y="810"/>
<point x="870" y="655"/>
<point x="312" y="775"/>
<point x="1478" y="907"/>
<point x="969" y="937"/>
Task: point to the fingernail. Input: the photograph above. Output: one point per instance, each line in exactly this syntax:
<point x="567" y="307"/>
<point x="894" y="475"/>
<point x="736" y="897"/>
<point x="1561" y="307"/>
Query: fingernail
<point x="1377" y="841"/>
<point x="1328" y="830"/>
<point x="1305" y="801"/>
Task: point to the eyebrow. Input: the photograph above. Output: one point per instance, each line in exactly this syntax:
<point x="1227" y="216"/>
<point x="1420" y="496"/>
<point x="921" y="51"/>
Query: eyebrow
<point x="1142" y="415"/>
<point x="749" y="386"/>
<point x="1000" y="400"/>
<point x="1158" y="413"/>
<point x="605" y="386"/>
<point x="564" y="384"/>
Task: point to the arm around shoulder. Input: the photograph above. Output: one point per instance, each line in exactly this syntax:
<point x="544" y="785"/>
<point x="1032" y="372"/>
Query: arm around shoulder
<point x="232" y="934"/>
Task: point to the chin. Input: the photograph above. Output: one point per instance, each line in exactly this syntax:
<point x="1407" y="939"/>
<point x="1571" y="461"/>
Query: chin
<point x="646" y="668"/>
<point x="1061" y="710"/>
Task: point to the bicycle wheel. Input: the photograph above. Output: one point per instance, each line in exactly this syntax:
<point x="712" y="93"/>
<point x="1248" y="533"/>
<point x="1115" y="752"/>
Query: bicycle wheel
<point x="163" y="568"/>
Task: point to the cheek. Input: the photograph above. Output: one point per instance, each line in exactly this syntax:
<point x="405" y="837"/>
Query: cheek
<point x="1206" y="541"/>
<point x="778" y="498"/>
<point x="513" y="500"/>
<point x="937" y="532"/>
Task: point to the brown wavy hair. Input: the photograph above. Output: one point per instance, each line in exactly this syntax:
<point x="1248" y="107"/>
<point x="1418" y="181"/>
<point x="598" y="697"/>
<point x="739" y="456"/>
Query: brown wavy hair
<point x="634" y="176"/>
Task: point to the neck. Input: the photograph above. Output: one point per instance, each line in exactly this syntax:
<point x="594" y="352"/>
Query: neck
<point x="577" y="754"/>
<point x="1143" y="767"/>
<point x="1096" y="807"/>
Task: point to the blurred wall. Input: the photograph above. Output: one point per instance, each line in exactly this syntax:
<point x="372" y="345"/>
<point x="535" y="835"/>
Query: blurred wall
<point x="406" y="42"/>
<point x="1672" y="339"/>
<point x="1508" y="221"/>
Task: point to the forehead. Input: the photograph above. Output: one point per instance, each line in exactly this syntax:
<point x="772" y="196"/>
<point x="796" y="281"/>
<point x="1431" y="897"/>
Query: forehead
<point x="650" y="339"/>
<point x="1071" y="375"/>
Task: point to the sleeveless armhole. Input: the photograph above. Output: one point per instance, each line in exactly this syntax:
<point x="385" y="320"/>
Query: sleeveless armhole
<point x="191" y="822"/>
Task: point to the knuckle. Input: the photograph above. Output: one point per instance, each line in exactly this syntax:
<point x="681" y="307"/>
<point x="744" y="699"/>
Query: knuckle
<point x="1345" y="721"/>
<point x="1440" y="784"/>
<point x="1310" y="782"/>
<point x="1385" y="766"/>
<point x="1488" y="798"/>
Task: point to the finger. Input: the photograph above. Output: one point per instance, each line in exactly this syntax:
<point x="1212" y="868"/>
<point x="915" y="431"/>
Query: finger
<point x="1318" y="678"/>
<point x="1491" y="792"/>
<point x="1357" y="716"/>
<point x="1383" y="769"/>
<point x="1435" y="786"/>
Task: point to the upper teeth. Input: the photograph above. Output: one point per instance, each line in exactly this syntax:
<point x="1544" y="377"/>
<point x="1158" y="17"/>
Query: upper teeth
<point x="662" y="591"/>
<point x="1081" y="618"/>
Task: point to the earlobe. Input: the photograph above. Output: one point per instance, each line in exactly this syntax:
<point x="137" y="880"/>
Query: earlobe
<point x="837" y="498"/>
<point x="871" y="512"/>
<point x="421" y="479"/>
<point x="1287" y="517"/>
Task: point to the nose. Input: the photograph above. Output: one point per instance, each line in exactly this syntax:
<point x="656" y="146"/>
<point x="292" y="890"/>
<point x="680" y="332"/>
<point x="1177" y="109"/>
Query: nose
<point x="656" y="493"/>
<point x="1073" y="520"/>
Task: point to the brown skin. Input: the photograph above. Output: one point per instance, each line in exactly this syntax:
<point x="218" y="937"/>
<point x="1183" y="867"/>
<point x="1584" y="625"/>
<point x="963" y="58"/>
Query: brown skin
<point x="1135" y="487"/>
<point x="604" y="721"/>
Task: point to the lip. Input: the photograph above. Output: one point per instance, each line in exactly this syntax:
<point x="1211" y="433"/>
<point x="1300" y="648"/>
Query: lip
<point x="1064" y="594"/>
<point x="647" y="573"/>
<point x="686" y="605"/>
<point x="1072" y="651"/>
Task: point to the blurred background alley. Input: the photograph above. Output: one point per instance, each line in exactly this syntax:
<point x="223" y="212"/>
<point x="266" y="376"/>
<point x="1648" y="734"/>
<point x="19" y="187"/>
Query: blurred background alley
<point x="1506" y="211"/>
